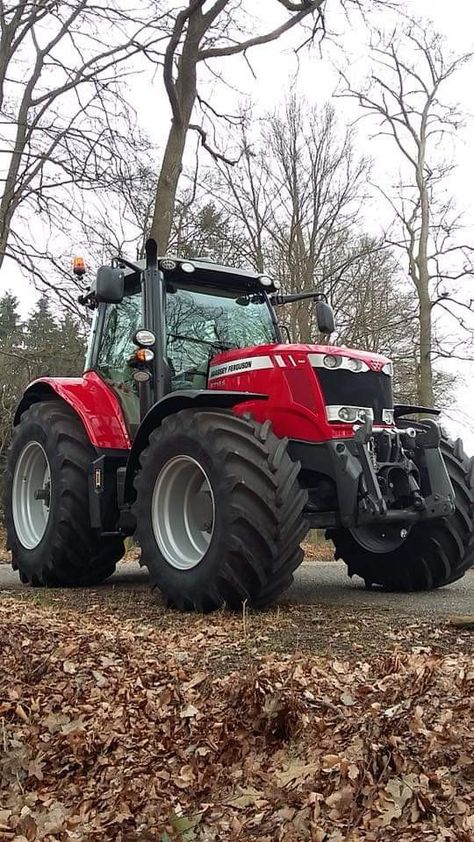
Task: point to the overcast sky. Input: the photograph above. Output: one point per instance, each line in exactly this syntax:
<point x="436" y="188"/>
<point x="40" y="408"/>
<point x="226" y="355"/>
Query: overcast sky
<point x="276" y="73"/>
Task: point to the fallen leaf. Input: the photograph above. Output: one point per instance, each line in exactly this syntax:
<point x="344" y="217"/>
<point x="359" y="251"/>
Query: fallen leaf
<point x="188" y="712"/>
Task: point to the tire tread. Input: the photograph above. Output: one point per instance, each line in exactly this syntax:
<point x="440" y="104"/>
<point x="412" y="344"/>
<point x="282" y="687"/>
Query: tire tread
<point x="77" y="555"/>
<point x="266" y="518"/>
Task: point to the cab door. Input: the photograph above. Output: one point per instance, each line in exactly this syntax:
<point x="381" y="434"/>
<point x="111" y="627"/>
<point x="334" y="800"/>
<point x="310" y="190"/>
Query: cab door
<point x="118" y="326"/>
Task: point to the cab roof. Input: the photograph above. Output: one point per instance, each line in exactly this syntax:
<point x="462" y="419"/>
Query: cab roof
<point x="206" y="271"/>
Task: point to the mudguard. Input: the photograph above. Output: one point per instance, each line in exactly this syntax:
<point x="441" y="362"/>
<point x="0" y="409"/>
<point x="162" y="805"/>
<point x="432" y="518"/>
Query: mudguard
<point x="402" y="409"/>
<point x="92" y="399"/>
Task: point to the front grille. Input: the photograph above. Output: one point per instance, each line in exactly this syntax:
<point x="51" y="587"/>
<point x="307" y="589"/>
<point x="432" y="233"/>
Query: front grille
<point x="347" y="388"/>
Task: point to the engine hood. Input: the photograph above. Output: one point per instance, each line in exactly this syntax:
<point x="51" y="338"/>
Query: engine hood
<point x="240" y="360"/>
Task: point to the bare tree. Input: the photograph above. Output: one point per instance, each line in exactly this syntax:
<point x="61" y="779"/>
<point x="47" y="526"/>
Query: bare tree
<point x="411" y="66"/>
<point x="202" y="33"/>
<point x="292" y="206"/>
<point x="65" y="123"/>
<point x="249" y="193"/>
<point x="200" y="37"/>
<point x="298" y="192"/>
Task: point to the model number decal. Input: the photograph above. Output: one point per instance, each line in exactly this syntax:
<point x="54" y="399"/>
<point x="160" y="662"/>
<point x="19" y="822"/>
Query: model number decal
<point x="239" y="366"/>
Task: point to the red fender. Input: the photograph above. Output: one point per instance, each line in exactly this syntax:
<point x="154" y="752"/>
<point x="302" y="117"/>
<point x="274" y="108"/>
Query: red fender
<point x="94" y="401"/>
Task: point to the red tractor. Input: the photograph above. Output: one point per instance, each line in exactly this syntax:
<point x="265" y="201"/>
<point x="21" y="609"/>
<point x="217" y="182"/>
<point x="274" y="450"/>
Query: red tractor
<point x="198" y="430"/>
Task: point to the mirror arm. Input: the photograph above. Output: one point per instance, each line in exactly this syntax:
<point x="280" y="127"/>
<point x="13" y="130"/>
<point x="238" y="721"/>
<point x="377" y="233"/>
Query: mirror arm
<point x="121" y="262"/>
<point x="285" y="329"/>
<point x="297" y="296"/>
<point x="89" y="300"/>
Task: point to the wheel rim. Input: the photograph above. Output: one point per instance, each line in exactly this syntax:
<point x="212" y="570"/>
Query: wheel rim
<point x="31" y="495"/>
<point x="381" y="537"/>
<point x="183" y="512"/>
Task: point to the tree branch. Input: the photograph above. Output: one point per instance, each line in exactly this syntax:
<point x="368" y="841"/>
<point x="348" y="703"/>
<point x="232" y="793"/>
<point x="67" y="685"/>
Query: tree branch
<point x="218" y="156"/>
<point x="306" y="8"/>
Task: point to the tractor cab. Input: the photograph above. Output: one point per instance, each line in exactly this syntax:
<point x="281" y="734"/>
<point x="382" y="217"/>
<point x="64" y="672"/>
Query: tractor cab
<point x="156" y="332"/>
<point x="160" y="322"/>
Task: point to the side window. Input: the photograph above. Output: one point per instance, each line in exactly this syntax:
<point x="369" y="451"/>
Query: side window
<point x="116" y="346"/>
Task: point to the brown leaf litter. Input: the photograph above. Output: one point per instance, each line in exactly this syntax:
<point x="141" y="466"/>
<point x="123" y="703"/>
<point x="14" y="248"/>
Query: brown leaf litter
<point x="114" y="730"/>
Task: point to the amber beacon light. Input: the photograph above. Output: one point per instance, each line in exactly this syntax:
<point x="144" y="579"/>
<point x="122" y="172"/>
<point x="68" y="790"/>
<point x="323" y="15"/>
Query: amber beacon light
<point x="79" y="266"/>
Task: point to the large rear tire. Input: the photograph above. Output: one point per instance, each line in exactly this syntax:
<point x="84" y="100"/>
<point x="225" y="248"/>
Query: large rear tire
<point x="434" y="553"/>
<point x="47" y="502"/>
<point x="219" y="511"/>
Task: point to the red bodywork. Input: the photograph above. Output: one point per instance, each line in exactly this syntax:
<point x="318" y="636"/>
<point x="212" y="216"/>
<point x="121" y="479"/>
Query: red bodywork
<point x="295" y="405"/>
<point x="96" y="404"/>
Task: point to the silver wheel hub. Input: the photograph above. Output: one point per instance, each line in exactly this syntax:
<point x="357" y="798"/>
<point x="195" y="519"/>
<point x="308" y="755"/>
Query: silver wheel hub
<point x="183" y="512"/>
<point x="31" y="495"/>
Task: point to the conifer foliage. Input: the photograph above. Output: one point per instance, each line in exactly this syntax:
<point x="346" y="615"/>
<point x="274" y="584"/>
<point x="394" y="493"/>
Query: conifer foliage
<point x="41" y="344"/>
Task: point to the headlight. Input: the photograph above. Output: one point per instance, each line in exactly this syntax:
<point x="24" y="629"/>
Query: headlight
<point x="277" y="284"/>
<point x="354" y="365"/>
<point x="187" y="267"/>
<point x="145" y="338"/>
<point x="388" y="369"/>
<point x="348" y="413"/>
<point x="168" y="263"/>
<point x="330" y="361"/>
<point x="388" y="416"/>
<point x="141" y="376"/>
<point x="266" y="281"/>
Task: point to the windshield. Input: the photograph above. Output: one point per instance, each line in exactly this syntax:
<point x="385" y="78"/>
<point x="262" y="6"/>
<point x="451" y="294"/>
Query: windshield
<point x="201" y="323"/>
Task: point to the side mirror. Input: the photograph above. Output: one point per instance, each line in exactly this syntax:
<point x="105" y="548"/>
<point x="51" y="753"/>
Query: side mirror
<point x="109" y="285"/>
<point x="325" y="317"/>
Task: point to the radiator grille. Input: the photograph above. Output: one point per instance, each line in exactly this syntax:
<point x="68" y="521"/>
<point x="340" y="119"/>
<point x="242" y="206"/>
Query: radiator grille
<point x="347" y="388"/>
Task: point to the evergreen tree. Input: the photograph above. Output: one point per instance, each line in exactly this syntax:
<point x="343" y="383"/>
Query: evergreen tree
<point x="43" y="345"/>
<point x="72" y="347"/>
<point x="9" y="318"/>
<point x="42" y="332"/>
<point x="11" y="369"/>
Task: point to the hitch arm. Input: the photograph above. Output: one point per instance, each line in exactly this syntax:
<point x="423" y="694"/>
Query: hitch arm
<point x="375" y="499"/>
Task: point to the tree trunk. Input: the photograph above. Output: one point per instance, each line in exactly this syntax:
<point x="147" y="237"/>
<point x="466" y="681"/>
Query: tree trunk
<point x="185" y="89"/>
<point x="170" y="172"/>
<point x="423" y="286"/>
<point x="11" y="197"/>
<point x="13" y="193"/>
<point x="425" y="387"/>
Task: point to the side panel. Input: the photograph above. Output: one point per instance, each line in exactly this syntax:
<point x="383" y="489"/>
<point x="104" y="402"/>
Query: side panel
<point x="94" y="402"/>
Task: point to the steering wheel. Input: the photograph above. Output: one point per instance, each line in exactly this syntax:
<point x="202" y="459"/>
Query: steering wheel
<point x="185" y="377"/>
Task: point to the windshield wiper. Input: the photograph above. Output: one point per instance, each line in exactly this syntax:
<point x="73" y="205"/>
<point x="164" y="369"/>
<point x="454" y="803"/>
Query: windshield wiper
<point x="221" y="346"/>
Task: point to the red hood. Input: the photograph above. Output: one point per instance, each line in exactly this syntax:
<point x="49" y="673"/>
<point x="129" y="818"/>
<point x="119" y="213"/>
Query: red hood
<point x="373" y="360"/>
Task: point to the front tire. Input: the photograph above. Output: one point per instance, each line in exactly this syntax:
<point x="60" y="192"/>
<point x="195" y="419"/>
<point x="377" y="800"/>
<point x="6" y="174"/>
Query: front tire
<point x="47" y="502"/>
<point x="435" y="553"/>
<point x="219" y="511"/>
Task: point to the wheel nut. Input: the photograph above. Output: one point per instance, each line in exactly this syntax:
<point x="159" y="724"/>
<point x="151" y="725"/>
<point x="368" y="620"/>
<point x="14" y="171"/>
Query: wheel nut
<point x="403" y="533"/>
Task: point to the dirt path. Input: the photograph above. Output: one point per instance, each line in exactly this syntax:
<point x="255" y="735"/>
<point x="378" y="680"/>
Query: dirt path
<point x="339" y="715"/>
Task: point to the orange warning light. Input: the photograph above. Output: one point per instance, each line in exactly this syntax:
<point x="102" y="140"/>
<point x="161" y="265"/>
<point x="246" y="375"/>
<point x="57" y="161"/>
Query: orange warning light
<point x="143" y="355"/>
<point x="79" y="266"/>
